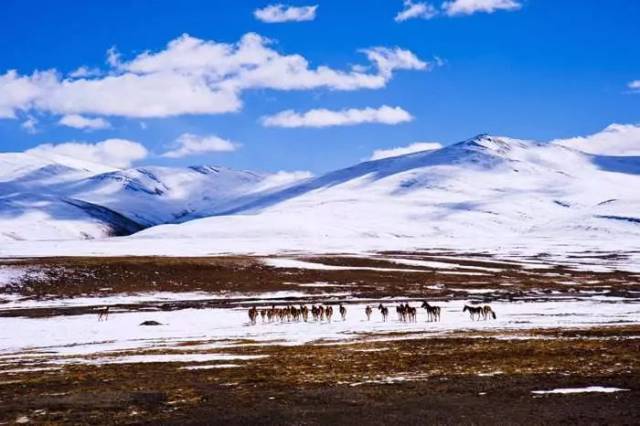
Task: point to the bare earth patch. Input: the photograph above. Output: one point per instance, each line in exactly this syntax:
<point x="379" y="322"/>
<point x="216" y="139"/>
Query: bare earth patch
<point x="186" y="370"/>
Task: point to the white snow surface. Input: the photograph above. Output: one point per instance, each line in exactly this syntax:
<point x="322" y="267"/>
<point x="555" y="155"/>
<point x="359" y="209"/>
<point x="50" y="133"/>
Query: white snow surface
<point x="492" y="194"/>
<point x="60" y="198"/>
<point x="481" y="190"/>
<point x="587" y="389"/>
<point x="83" y="339"/>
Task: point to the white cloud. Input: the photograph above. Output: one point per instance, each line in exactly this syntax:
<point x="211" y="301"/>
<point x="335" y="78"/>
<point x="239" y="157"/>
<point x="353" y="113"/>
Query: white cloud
<point x="111" y="152"/>
<point x="416" y="10"/>
<point x="80" y="122"/>
<point x="30" y="124"/>
<point x="634" y="85"/>
<point x="615" y="139"/>
<point x="20" y="93"/>
<point x="189" y="144"/>
<point x="346" y="117"/>
<point x="278" y="13"/>
<point x="83" y="72"/>
<point x="284" y="178"/>
<point x="379" y="154"/>
<point x="388" y="60"/>
<point x="113" y="57"/>
<point x="469" y="7"/>
<point x="191" y="76"/>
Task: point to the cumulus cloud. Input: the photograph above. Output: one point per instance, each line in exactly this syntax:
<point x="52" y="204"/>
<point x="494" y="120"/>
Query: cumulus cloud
<point x="634" y="85"/>
<point x="191" y="76"/>
<point x="282" y="178"/>
<point x="615" y="139"/>
<point x="83" y="72"/>
<point x="119" y="153"/>
<point x="416" y="11"/>
<point x="469" y="7"/>
<point x="189" y="144"/>
<point x="389" y="60"/>
<point x="278" y="13"/>
<point x="346" y="117"/>
<point x="80" y="122"/>
<point x="379" y="154"/>
<point x="20" y="92"/>
<point x="30" y="124"/>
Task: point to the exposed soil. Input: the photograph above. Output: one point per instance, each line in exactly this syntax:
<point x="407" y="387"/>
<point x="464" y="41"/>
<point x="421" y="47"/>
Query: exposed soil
<point x="457" y="378"/>
<point x="72" y="277"/>
<point x="449" y="380"/>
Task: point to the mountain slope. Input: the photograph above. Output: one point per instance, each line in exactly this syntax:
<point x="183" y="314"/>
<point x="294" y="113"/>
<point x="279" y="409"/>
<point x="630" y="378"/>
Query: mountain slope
<point x="484" y="190"/>
<point x="62" y="198"/>
<point x="480" y="189"/>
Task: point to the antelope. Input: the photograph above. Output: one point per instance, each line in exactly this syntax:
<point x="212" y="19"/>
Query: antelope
<point x="305" y="312"/>
<point x="433" y="312"/>
<point x="343" y="312"/>
<point x="487" y="311"/>
<point x="410" y="312"/>
<point x="328" y="312"/>
<point x="103" y="314"/>
<point x="384" y="311"/>
<point x="253" y="314"/>
<point x="271" y="313"/>
<point x="402" y="315"/>
<point x="473" y="311"/>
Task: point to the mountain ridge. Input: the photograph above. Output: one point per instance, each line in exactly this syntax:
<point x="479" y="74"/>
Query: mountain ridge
<point x="482" y="186"/>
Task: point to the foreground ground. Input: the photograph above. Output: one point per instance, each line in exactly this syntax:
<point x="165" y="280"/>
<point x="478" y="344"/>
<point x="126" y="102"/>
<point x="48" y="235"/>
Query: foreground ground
<point x="558" y="326"/>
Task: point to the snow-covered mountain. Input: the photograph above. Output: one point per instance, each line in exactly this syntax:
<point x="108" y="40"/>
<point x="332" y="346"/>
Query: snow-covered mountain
<point x="485" y="188"/>
<point x="62" y="198"/>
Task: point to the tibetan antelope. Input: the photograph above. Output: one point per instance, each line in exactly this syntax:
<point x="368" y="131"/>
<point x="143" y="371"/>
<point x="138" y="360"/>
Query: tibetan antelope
<point x="433" y="312"/>
<point x="475" y="312"/>
<point x="343" y="312"/>
<point x="328" y="312"/>
<point x="384" y="311"/>
<point x="305" y="312"/>
<point x="412" y="313"/>
<point x="103" y="314"/>
<point x="367" y="312"/>
<point x="402" y="314"/>
<point x="487" y="311"/>
<point x="253" y="314"/>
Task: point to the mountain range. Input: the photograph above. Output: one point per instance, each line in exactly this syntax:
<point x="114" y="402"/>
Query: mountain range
<point x="481" y="189"/>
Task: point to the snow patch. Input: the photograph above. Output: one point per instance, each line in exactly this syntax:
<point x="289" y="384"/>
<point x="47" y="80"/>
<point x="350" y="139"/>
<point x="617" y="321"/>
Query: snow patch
<point x="580" y="390"/>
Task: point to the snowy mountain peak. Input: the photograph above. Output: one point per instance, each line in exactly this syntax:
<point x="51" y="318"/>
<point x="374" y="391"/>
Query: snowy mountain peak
<point x="483" y="186"/>
<point x="495" y="145"/>
<point x="486" y="188"/>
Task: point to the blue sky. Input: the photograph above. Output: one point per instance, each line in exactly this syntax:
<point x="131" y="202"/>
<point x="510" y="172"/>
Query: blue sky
<point x="544" y="70"/>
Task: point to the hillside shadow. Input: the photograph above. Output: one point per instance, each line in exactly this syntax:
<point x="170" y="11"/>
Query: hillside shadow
<point x="617" y="164"/>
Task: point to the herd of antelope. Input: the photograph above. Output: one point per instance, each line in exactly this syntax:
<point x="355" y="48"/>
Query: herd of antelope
<point x="405" y="312"/>
<point x="292" y="313"/>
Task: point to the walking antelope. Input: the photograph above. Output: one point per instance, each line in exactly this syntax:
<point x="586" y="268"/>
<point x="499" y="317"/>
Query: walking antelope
<point x="103" y="314"/>
<point x="367" y="312"/>
<point x="343" y="312"/>
<point x="474" y="311"/>
<point x="253" y="314"/>
<point x="328" y="312"/>
<point x="384" y="311"/>
<point x="433" y="312"/>
<point x="487" y="311"/>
